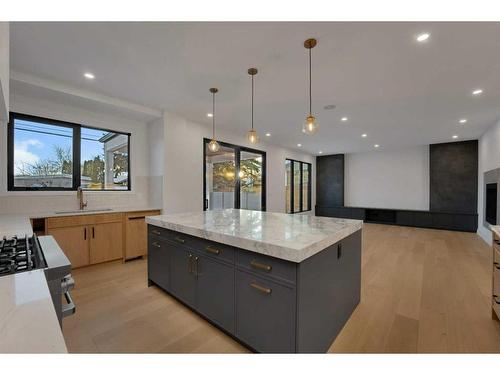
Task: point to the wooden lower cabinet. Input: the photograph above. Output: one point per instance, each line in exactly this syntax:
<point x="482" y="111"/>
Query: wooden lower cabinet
<point x="136" y="233"/>
<point x="75" y="243"/>
<point x="106" y="242"/>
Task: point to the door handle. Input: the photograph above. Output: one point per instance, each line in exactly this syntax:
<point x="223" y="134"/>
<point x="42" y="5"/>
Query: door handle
<point x="339" y="250"/>
<point x="260" y="266"/>
<point x="212" y="250"/>
<point x="85" y="233"/>
<point x="196" y="266"/>
<point x="180" y="240"/>
<point x="93" y="232"/>
<point x="190" y="263"/>
<point x="157" y="232"/>
<point x="262" y="289"/>
<point x="156" y="244"/>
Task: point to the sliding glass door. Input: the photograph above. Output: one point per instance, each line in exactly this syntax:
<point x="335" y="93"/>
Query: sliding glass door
<point x="234" y="177"/>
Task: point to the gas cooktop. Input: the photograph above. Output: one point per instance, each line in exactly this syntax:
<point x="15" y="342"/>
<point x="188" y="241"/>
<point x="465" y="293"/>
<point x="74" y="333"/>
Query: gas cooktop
<point x="19" y="254"/>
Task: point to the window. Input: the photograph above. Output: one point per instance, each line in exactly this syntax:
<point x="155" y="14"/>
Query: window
<point x="46" y="154"/>
<point x="297" y="186"/>
<point x="234" y="177"/>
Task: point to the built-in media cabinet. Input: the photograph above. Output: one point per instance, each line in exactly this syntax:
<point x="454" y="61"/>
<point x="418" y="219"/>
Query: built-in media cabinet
<point x="495" y="301"/>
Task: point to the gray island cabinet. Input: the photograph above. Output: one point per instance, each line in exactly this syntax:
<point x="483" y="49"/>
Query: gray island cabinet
<point x="278" y="283"/>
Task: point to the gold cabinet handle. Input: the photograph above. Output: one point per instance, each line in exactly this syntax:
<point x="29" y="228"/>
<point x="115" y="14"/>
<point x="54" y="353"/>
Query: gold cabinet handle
<point x="261" y="288"/>
<point x="156" y="244"/>
<point x="157" y="232"/>
<point x="260" y="266"/>
<point x="180" y="240"/>
<point x="212" y="250"/>
<point x="190" y="263"/>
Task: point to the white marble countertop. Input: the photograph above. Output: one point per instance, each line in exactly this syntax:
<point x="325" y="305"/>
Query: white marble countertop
<point x="495" y="229"/>
<point x="289" y="237"/>
<point x="28" y="321"/>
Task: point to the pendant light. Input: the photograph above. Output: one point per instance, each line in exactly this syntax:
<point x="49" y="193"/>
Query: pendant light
<point x="213" y="145"/>
<point x="310" y="124"/>
<point x="252" y="135"/>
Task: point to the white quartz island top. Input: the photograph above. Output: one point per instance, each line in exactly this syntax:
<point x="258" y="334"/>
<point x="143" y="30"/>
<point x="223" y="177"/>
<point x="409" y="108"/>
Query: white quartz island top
<point x="28" y="321"/>
<point x="284" y="236"/>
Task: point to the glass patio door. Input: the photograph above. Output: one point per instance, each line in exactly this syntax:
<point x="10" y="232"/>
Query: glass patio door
<point x="234" y="177"/>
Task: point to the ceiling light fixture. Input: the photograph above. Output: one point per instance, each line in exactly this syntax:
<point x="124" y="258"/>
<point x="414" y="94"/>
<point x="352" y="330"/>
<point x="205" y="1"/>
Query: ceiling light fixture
<point x="455" y="136"/>
<point x="268" y="134"/>
<point x="252" y="135"/>
<point x="213" y="145"/>
<point x="376" y="146"/>
<point x="364" y="135"/>
<point x="423" y="37"/>
<point x="299" y="145"/>
<point x="344" y="119"/>
<point x="477" y="92"/>
<point x="462" y="121"/>
<point x="89" y="75"/>
<point x="310" y="125"/>
<point x="210" y="115"/>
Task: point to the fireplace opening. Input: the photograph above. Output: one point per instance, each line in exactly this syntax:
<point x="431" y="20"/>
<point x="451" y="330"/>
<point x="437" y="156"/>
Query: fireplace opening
<point x="491" y="203"/>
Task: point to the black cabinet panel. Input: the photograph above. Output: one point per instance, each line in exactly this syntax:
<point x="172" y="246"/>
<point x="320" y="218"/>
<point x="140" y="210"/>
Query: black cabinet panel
<point x="330" y="180"/>
<point x="215" y="293"/>
<point x="265" y="314"/>
<point x="422" y="219"/>
<point x="405" y="218"/>
<point x="358" y="213"/>
<point x="381" y="216"/>
<point x="183" y="278"/>
<point x="453" y="177"/>
<point x="159" y="262"/>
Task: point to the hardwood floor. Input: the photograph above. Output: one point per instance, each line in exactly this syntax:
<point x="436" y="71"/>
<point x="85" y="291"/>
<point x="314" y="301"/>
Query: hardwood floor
<point x="423" y="291"/>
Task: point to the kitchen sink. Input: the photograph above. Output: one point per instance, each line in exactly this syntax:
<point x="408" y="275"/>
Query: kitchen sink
<point x="84" y="211"/>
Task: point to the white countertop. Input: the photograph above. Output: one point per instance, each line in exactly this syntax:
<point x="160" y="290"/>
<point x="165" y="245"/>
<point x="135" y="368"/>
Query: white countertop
<point x="28" y="321"/>
<point x="289" y="237"/>
<point x="495" y="229"/>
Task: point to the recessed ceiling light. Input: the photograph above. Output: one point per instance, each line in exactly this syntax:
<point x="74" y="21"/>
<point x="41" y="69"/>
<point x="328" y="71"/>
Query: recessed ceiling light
<point x="462" y="120"/>
<point x="210" y="115"/>
<point x="344" y="119"/>
<point x="477" y="92"/>
<point x="423" y="37"/>
<point x="364" y="135"/>
<point x="455" y="136"/>
<point x="268" y="134"/>
<point x="299" y="145"/>
<point x="320" y="152"/>
<point x="89" y="75"/>
<point x="329" y="106"/>
<point x="376" y="146"/>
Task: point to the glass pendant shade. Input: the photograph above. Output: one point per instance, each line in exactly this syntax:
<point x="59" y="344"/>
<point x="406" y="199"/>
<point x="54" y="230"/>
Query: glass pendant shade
<point x="252" y="136"/>
<point x="310" y="125"/>
<point x="213" y="146"/>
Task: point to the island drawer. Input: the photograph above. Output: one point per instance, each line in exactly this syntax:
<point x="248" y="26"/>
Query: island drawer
<point x="267" y="266"/>
<point x="159" y="262"/>
<point x="265" y="314"/>
<point x="167" y="234"/>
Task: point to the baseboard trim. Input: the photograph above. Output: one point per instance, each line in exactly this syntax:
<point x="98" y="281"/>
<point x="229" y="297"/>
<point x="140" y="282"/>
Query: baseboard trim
<point x="485" y="234"/>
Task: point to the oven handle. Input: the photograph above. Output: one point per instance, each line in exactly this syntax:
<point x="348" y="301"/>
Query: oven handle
<point x="69" y="308"/>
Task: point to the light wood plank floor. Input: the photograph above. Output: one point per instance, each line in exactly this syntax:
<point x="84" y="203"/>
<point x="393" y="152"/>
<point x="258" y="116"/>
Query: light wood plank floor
<point x="423" y="291"/>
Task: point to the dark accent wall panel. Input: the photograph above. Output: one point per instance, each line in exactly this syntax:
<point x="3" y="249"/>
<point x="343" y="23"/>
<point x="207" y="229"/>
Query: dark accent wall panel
<point x="330" y="180"/>
<point x="453" y="177"/>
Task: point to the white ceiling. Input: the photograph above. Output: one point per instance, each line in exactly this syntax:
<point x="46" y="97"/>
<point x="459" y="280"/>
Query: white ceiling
<point x="398" y="91"/>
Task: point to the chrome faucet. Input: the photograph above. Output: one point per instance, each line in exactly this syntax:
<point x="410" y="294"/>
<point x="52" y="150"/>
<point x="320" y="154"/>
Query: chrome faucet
<point x="79" y="195"/>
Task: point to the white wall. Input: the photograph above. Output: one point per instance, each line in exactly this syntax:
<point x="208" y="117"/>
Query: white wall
<point x="50" y="201"/>
<point x="183" y="177"/>
<point x="388" y="179"/>
<point x="489" y="158"/>
<point x="4" y="70"/>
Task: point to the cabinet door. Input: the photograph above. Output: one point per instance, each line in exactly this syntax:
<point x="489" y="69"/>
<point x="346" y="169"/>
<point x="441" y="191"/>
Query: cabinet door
<point x="265" y="314"/>
<point x="74" y="241"/>
<point x="215" y="291"/>
<point x="182" y="277"/>
<point x="136" y="237"/>
<point x="159" y="262"/>
<point x="106" y="242"/>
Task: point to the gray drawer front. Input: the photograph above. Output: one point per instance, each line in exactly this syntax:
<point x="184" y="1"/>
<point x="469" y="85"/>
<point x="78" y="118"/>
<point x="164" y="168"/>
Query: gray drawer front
<point x="205" y="247"/>
<point x="182" y="278"/>
<point x="158" y="262"/>
<point x="265" y="314"/>
<point x="267" y="266"/>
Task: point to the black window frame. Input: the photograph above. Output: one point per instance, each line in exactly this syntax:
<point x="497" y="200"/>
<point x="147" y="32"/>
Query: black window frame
<point x="292" y="186"/>
<point x="237" y="194"/>
<point x="76" y="146"/>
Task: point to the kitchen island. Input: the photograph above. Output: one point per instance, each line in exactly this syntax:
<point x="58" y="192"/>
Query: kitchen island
<point x="276" y="282"/>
